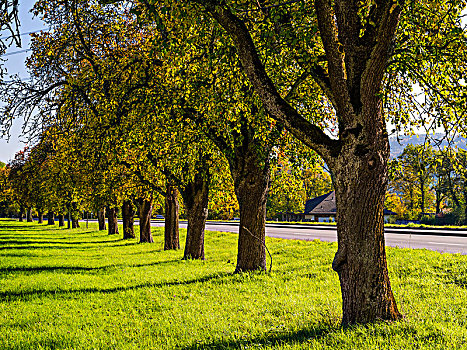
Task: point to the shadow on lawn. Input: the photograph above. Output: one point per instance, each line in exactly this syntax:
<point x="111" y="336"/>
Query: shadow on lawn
<point x="272" y="340"/>
<point x="63" y="245"/>
<point x="76" y="269"/>
<point x="13" y="296"/>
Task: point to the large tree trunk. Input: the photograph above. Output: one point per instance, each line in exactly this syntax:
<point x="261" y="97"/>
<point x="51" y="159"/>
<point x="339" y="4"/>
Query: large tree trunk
<point x="113" y="221"/>
<point x="128" y="214"/>
<point x="21" y="214"/>
<point x="61" y="220"/>
<point x="195" y="198"/>
<point x="171" y="233"/>
<point x="74" y="215"/>
<point x="68" y="217"/>
<point x="40" y="217"/>
<point x="145" y="212"/>
<point x="29" y="215"/>
<point x="251" y="182"/>
<point x="50" y="218"/>
<point x="360" y="260"/>
<point x="101" y="219"/>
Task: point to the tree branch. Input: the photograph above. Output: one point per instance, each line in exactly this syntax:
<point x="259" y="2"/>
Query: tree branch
<point x="276" y="106"/>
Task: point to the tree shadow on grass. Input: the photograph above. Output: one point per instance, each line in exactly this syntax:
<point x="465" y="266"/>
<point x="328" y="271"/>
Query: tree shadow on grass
<point x="27" y="295"/>
<point x="77" y="269"/>
<point x="62" y="245"/>
<point x="23" y="227"/>
<point x="271" y="340"/>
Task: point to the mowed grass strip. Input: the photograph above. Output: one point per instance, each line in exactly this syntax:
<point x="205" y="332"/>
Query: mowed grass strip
<point x="83" y="289"/>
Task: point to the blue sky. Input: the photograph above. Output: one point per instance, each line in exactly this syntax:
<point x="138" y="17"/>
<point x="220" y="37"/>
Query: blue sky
<point x="15" y="65"/>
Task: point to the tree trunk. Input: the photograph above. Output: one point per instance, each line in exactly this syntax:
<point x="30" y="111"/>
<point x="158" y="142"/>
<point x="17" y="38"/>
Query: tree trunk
<point x="29" y="215"/>
<point x="251" y="182"/>
<point x="465" y="208"/>
<point x="50" y="218"/>
<point x="21" y="214"/>
<point x="171" y="233"/>
<point x="61" y="220"/>
<point x="40" y="217"/>
<point x="101" y="219"/>
<point x="195" y="198"/>
<point x="128" y="214"/>
<point x="145" y="212"/>
<point x="69" y="218"/>
<point x="360" y="260"/>
<point x="113" y="221"/>
<point x="422" y="198"/>
<point x="74" y="215"/>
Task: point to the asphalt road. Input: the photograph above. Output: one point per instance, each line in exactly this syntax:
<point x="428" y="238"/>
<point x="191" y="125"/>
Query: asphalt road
<point x="446" y="241"/>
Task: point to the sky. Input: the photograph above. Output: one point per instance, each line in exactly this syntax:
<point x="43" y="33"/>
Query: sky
<point x="15" y="65"/>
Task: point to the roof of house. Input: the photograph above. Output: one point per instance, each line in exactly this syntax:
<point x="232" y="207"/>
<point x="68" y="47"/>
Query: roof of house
<point x="322" y="205"/>
<point x="326" y="205"/>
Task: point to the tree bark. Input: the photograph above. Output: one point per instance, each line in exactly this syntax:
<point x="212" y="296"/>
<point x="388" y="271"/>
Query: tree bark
<point x="61" y="220"/>
<point x="465" y="208"/>
<point x="29" y="215"/>
<point x="145" y="212"/>
<point x="50" y="218"/>
<point x="40" y="217"/>
<point x="101" y="219"/>
<point x="113" y="221"/>
<point x="128" y="214"/>
<point x="171" y="231"/>
<point x="74" y="215"/>
<point x="422" y="198"/>
<point x="251" y="182"/>
<point x="360" y="260"/>
<point x="69" y="218"/>
<point x="21" y="214"/>
<point x="195" y="198"/>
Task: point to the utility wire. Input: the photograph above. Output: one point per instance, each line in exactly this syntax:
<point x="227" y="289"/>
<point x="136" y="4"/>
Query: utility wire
<point x="26" y="33"/>
<point x="15" y="52"/>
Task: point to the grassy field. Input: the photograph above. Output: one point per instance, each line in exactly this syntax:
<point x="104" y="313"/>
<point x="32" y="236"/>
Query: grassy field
<point x="82" y="289"/>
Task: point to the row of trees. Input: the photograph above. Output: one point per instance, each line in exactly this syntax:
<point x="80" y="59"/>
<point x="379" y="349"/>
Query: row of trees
<point x="154" y="97"/>
<point x="425" y="182"/>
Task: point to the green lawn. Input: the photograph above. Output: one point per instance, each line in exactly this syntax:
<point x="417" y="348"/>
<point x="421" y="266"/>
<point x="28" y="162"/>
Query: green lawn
<point x="82" y="289"/>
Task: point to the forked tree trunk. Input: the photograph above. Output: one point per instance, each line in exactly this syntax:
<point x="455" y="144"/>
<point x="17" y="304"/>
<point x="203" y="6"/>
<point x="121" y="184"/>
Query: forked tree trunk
<point x="101" y="219"/>
<point x="40" y="217"/>
<point x="29" y="215"/>
<point x="21" y="214"/>
<point x="145" y="212"/>
<point x="61" y="220"/>
<point x="360" y="260"/>
<point x="171" y="232"/>
<point x="251" y="182"/>
<point x="113" y="221"/>
<point x="128" y="213"/>
<point x="50" y="218"/>
<point x="195" y="198"/>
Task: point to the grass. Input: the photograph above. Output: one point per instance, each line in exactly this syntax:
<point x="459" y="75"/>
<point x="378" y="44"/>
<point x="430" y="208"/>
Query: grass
<point x="83" y="289"/>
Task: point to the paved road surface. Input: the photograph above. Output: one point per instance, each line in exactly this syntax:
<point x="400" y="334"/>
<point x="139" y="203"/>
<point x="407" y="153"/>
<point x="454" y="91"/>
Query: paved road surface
<point x="439" y="240"/>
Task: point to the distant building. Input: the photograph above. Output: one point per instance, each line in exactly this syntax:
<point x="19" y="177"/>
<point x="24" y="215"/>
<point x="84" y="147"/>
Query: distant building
<point x="323" y="209"/>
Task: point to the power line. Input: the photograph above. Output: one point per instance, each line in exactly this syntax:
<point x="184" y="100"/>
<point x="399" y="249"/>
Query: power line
<point x="26" y="33"/>
<point x="15" y="52"/>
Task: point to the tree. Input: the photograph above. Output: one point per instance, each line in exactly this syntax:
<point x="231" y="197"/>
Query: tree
<point x="413" y="177"/>
<point x="347" y="61"/>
